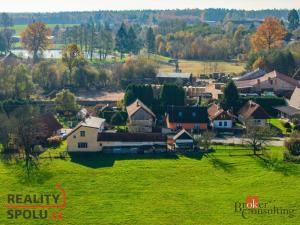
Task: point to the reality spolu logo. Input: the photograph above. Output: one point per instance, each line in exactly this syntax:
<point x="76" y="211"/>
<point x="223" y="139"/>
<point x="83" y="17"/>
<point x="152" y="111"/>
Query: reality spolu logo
<point x="36" y="206"/>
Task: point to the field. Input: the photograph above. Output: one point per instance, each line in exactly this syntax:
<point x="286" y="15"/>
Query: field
<point x="162" y="189"/>
<point x="205" y="67"/>
<point x="20" y="28"/>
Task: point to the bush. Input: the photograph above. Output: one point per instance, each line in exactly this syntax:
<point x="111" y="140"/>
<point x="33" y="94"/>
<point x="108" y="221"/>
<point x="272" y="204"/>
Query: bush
<point x="293" y="144"/>
<point x="288" y="130"/>
<point x="287" y="125"/>
<point x="297" y="127"/>
<point x="291" y="158"/>
<point x="117" y="119"/>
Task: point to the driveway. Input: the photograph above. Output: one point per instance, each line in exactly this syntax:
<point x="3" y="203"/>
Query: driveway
<point x="239" y="141"/>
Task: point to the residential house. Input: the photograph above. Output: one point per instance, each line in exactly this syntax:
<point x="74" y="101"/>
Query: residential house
<point x="253" y="111"/>
<point x="83" y="138"/>
<point x="292" y="109"/>
<point x="276" y="82"/>
<point x="193" y="118"/>
<point x="11" y="59"/>
<point x="183" y="140"/>
<point x="140" y="118"/>
<point x="220" y="118"/>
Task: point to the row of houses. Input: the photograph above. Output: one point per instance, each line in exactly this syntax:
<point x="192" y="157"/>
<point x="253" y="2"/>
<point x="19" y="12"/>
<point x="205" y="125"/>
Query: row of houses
<point x="91" y="134"/>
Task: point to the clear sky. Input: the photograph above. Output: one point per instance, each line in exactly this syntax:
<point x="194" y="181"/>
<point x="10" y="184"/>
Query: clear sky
<point x="94" y="5"/>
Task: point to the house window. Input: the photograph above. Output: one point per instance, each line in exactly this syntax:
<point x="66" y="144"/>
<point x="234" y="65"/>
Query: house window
<point x="82" y="145"/>
<point x="74" y="136"/>
<point x="82" y="133"/>
<point x="194" y="114"/>
<point x="220" y="124"/>
<point x="180" y="114"/>
<point x="225" y="124"/>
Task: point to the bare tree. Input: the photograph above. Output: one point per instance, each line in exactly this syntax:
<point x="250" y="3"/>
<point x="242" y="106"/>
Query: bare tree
<point x="205" y="139"/>
<point x="257" y="136"/>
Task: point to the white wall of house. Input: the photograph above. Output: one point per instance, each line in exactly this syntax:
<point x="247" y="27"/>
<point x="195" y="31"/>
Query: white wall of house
<point x="84" y="139"/>
<point x="222" y="123"/>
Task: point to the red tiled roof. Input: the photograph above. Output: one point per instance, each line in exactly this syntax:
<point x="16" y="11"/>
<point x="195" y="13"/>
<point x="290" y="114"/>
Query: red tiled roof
<point x="254" y="110"/>
<point x="215" y="111"/>
<point x="273" y="74"/>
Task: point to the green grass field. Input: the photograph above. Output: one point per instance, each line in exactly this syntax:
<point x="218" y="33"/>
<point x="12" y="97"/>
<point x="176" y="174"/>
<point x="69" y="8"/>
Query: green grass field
<point x="20" y="28"/>
<point x="163" y="188"/>
<point x="205" y="67"/>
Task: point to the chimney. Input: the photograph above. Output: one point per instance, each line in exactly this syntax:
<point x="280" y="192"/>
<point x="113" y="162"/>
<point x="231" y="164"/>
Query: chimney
<point x="137" y="103"/>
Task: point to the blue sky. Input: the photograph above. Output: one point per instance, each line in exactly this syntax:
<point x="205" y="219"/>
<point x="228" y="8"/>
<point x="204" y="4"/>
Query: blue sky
<point x="80" y="5"/>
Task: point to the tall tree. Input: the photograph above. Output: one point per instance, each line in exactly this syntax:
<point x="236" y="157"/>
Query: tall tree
<point x="122" y="40"/>
<point x="171" y="94"/>
<point x="66" y="102"/>
<point x="132" y="41"/>
<point x="293" y="19"/>
<point x="36" y="38"/>
<point x="150" y="40"/>
<point x="269" y="35"/>
<point x="231" y="97"/>
<point x="5" y="20"/>
<point x="71" y="55"/>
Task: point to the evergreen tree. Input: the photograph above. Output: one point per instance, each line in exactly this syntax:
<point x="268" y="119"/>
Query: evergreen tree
<point x="231" y="97"/>
<point x="293" y="19"/>
<point x="122" y="40"/>
<point x="132" y="41"/>
<point x="171" y="94"/>
<point x="150" y="40"/>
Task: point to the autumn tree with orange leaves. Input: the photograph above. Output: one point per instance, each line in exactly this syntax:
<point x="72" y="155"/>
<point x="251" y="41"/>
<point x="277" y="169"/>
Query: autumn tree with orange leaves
<point x="269" y="35"/>
<point x="36" y="39"/>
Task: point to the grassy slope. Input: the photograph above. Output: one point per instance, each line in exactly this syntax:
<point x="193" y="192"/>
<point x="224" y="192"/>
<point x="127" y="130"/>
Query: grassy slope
<point x="163" y="189"/>
<point x="204" y="67"/>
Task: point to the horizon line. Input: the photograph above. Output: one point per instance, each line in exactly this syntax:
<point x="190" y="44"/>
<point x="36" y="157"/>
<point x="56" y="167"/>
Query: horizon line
<point x="145" y="9"/>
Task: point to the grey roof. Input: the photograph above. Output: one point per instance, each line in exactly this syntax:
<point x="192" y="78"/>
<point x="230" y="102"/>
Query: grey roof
<point x="252" y="75"/>
<point x="94" y="122"/>
<point x="288" y="110"/>
<point x="174" y="75"/>
<point x="295" y="99"/>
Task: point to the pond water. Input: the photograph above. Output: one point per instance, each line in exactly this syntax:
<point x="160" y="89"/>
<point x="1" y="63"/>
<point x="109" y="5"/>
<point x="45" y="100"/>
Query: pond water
<point x="48" y="54"/>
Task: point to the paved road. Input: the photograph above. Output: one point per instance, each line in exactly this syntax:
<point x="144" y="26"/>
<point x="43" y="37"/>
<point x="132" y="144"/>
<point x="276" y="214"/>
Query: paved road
<point x="238" y="140"/>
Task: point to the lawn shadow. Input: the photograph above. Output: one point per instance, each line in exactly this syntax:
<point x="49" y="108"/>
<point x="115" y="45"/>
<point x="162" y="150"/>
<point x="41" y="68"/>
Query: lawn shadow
<point x="98" y="160"/>
<point x="92" y="159"/>
<point x="285" y="168"/>
<point x="193" y="155"/>
<point x="220" y="164"/>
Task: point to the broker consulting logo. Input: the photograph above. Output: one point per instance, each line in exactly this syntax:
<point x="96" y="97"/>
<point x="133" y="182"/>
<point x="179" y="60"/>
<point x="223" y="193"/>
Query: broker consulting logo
<point x="37" y="206"/>
<point x="254" y="207"/>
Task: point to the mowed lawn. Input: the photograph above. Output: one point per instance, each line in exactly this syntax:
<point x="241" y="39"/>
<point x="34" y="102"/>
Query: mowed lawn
<point x="163" y="188"/>
<point x="205" y="67"/>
